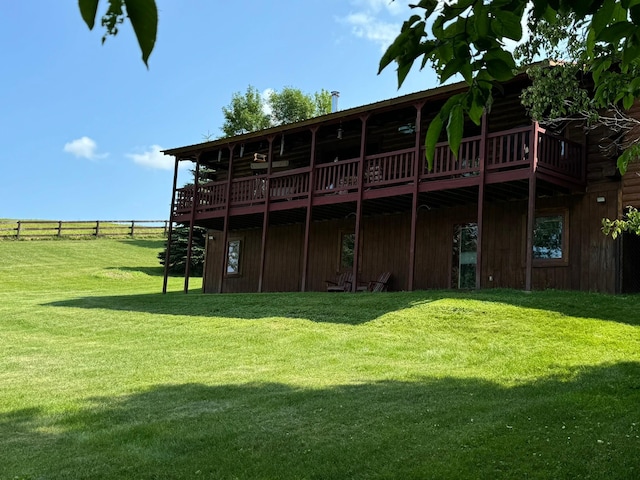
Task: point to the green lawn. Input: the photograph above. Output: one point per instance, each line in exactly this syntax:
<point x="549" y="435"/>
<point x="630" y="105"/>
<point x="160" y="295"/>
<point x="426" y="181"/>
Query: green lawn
<point x="101" y="376"/>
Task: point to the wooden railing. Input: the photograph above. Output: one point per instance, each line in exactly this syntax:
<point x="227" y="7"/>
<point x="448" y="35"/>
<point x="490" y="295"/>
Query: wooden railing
<point x="341" y="177"/>
<point x="560" y="155"/>
<point x="504" y="151"/>
<point x="388" y="169"/>
<point x="83" y="228"/>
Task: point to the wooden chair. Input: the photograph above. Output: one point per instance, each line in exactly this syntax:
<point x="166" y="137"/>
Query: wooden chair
<point x="341" y="284"/>
<point x="379" y="285"/>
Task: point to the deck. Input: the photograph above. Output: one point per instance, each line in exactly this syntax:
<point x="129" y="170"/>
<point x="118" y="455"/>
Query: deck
<point x="508" y="156"/>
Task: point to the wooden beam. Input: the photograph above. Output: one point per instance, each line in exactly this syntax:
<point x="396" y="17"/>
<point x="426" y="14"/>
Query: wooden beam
<point x="531" y="212"/>
<point x="480" y="220"/>
<point x="307" y="224"/>
<point x="170" y="233"/>
<point x="417" y="163"/>
<point x="225" y="229"/>
<point x="194" y="208"/>
<point x="356" y="247"/>
<point x="265" y="214"/>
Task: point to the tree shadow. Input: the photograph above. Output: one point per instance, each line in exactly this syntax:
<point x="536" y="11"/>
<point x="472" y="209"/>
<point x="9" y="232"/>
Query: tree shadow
<point x="358" y="308"/>
<point x="151" y="271"/>
<point x="586" y="426"/>
<point x="155" y="243"/>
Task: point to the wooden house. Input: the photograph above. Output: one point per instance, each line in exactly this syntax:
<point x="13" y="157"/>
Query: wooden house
<point x="293" y="206"/>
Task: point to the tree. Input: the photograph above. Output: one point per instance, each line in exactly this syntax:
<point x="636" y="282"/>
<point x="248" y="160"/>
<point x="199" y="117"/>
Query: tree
<point x="291" y="105"/>
<point x="245" y="113"/>
<point x="143" y="15"/>
<point x="248" y="112"/>
<point x="178" y="252"/>
<point x="467" y="38"/>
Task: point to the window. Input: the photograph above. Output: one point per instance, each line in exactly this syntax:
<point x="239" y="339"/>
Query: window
<point x="550" y="238"/>
<point x="347" y="243"/>
<point x="465" y="246"/>
<point x="233" y="257"/>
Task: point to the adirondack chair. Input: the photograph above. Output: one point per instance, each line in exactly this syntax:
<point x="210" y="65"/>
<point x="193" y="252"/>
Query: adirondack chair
<point x="379" y="285"/>
<point x="341" y="284"/>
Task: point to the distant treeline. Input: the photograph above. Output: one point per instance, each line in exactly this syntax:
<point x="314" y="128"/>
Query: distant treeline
<point x="82" y="228"/>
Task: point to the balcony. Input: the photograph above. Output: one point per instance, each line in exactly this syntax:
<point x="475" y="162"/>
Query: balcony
<point x="509" y="156"/>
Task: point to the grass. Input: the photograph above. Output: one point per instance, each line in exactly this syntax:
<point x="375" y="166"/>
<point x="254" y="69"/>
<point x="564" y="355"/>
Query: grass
<point x="101" y="376"/>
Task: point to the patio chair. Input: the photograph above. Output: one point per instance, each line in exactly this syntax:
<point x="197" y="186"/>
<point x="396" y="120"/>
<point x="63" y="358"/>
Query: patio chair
<point x="341" y="284"/>
<point x="379" y="285"/>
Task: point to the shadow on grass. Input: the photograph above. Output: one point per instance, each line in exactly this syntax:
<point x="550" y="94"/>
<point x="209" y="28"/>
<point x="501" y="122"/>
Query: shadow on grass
<point x="358" y="308"/>
<point x="581" y="427"/>
<point x="146" y="242"/>
<point x="151" y="271"/>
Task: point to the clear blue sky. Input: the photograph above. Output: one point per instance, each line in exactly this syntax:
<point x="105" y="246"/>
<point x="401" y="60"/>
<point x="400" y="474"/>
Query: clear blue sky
<point x="81" y="124"/>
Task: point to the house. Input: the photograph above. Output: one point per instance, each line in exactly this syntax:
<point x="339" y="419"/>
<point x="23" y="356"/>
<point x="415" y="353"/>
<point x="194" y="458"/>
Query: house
<point x="293" y="206"/>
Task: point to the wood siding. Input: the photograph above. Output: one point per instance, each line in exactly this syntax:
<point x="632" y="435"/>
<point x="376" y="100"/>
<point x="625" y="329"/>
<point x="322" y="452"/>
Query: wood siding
<point x="385" y="239"/>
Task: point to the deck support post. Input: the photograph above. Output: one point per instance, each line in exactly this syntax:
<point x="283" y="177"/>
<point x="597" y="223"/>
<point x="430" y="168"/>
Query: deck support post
<point x="225" y="229"/>
<point x="417" y="162"/>
<point x="531" y="210"/>
<point x="480" y="220"/>
<point x="356" y="246"/>
<point x="170" y="231"/>
<point x="265" y="216"/>
<point x="307" y="224"/>
<point x="194" y="208"/>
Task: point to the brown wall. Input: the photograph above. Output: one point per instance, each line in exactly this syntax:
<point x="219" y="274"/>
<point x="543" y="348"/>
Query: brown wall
<point x="385" y="243"/>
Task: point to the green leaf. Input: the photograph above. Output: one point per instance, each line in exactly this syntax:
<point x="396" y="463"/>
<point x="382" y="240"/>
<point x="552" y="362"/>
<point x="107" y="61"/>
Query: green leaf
<point x="431" y="139"/>
<point x="627" y="101"/>
<point x="143" y="15"/>
<point x="507" y="24"/>
<point x="616" y="32"/>
<point x="455" y="127"/>
<point x="603" y="17"/>
<point x="88" y="10"/>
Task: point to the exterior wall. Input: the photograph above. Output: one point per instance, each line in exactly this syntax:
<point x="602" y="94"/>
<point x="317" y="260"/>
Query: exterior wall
<point x="591" y="260"/>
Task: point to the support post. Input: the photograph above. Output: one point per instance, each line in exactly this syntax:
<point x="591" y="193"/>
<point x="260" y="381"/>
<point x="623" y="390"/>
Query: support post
<point x="97" y="229"/>
<point x="194" y="208"/>
<point x="356" y="247"/>
<point x="170" y="232"/>
<point x="417" y="161"/>
<point x="59" y="228"/>
<point x="265" y="216"/>
<point x="307" y="224"/>
<point x="531" y="211"/>
<point x="132" y="229"/>
<point x="480" y="220"/>
<point x="225" y="231"/>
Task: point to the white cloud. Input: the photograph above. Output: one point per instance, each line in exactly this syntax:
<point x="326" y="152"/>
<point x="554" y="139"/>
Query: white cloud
<point x="375" y="20"/>
<point x="84" y="147"/>
<point x="153" y="157"/>
<point x="266" y="106"/>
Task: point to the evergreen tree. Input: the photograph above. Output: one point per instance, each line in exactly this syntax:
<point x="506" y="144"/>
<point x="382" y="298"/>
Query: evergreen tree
<point x="178" y="252"/>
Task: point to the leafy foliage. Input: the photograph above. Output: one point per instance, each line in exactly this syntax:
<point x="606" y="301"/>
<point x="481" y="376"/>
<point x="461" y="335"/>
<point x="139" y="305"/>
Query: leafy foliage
<point x="616" y="227"/>
<point x="178" y="252"/>
<point x="291" y="105"/>
<point x="245" y="113"/>
<point x="143" y="15"/>
<point x="467" y="38"/>
<point x="248" y="112"/>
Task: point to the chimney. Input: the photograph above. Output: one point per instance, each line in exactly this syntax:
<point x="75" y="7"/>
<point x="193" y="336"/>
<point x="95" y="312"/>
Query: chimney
<point x="334" y="101"/>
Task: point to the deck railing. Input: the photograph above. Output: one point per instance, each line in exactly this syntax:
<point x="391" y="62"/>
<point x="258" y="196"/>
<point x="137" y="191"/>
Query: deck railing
<point x="504" y="151"/>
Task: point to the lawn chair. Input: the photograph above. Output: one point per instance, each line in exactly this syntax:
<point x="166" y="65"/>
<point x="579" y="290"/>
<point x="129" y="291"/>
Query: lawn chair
<point x="342" y="283"/>
<point x="379" y="285"/>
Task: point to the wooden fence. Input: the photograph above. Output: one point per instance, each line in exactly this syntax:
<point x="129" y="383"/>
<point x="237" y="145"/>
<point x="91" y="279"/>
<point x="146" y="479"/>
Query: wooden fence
<point x="83" y="228"/>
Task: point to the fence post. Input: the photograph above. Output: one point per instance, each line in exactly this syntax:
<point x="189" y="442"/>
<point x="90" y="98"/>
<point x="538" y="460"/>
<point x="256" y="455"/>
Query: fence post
<point x="18" y="229"/>
<point x="133" y="224"/>
<point x="59" y="228"/>
<point x="97" y="228"/>
<point x="166" y="227"/>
